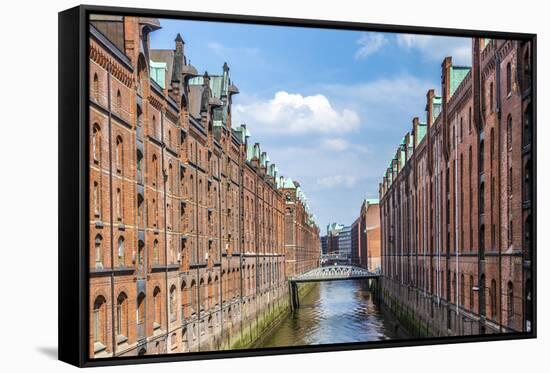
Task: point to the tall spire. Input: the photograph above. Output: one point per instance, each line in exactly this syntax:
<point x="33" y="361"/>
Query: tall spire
<point x="179" y="59"/>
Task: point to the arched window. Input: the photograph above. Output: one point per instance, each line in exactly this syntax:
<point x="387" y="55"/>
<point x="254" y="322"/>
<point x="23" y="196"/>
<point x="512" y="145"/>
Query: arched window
<point x="96" y="143"/>
<point x="168" y="216"/>
<point x="140" y="314"/>
<point x="98" y="249"/>
<point x="169" y="138"/>
<point x="510" y="304"/>
<point x="155" y="170"/>
<point x="157" y="308"/>
<point x="216" y="292"/>
<point x="122" y="316"/>
<point x="154" y="129"/>
<point x="193" y="297"/>
<point x="120" y="251"/>
<point x="139" y="167"/>
<point x="119" y="154"/>
<point x="482" y="240"/>
<point x="482" y="198"/>
<point x="202" y="294"/>
<point x="141" y="259"/>
<point x="95" y="87"/>
<point x="119" y="204"/>
<point x="481" y="156"/>
<point x="184" y="299"/>
<point x="154" y="210"/>
<point x="173" y="306"/>
<point x="508" y="78"/>
<point x="493" y="299"/>
<point x="118" y="101"/>
<point x="140" y="204"/>
<point x="170" y="178"/>
<point x="209" y="289"/>
<point x="97" y="199"/>
<point x="184" y="340"/>
<point x="509" y="132"/>
<point x="155" y="252"/>
<point x="100" y="324"/>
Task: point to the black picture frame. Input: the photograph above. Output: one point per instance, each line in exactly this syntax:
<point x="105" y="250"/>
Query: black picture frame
<point x="73" y="183"/>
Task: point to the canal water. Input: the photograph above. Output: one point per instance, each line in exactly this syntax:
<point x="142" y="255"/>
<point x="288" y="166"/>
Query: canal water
<point x="332" y="312"/>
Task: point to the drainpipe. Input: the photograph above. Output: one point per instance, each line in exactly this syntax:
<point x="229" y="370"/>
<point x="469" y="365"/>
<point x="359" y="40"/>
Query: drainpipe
<point x="402" y="229"/>
<point x="219" y="205"/>
<point x="109" y="108"/>
<point x="164" y="179"/>
<point x="456" y="220"/>
<point x="499" y="124"/>
<point x="197" y="259"/>
<point x="437" y="233"/>
<point x="241" y="235"/>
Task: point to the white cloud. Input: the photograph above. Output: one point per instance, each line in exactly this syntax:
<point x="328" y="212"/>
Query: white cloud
<point x="336" y="181"/>
<point x="339" y="144"/>
<point x="223" y="50"/>
<point x="335" y="144"/>
<point x="369" y="43"/>
<point x="379" y="98"/>
<point x="296" y="114"/>
<point x="438" y="47"/>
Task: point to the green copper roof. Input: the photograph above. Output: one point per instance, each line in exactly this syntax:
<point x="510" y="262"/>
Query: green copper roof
<point x="458" y="73"/>
<point x="421" y="130"/>
<point x="288" y="183"/>
<point x="372" y="201"/>
<point x="264" y="159"/>
<point x="249" y="152"/>
<point x="158" y="72"/>
<point x="402" y="159"/>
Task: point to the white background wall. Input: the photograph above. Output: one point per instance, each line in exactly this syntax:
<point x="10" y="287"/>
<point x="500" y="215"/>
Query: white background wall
<point x="28" y="184"/>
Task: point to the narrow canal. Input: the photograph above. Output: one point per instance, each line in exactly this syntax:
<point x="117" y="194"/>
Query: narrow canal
<point x="333" y="312"/>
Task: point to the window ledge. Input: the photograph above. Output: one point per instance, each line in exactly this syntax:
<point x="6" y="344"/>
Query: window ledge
<point x="120" y="339"/>
<point x="99" y="347"/>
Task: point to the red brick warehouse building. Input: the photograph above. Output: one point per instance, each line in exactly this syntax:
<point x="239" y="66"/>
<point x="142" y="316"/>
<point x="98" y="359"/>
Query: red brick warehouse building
<point x="365" y="236"/>
<point x="192" y="230"/>
<point x="456" y="201"/>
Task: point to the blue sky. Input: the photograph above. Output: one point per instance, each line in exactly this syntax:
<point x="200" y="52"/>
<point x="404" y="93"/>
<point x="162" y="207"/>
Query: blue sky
<point x="328" y="106"/>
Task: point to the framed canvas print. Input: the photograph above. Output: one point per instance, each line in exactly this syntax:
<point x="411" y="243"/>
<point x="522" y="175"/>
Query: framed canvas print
<point x="232" y="186"/>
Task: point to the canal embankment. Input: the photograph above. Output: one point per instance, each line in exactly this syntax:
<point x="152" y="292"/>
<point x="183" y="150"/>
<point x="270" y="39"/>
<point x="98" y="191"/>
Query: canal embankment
<point x="257" y="328"/>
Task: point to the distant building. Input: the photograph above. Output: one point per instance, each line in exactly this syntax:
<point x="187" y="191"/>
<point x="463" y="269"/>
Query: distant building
<point x="344" y="242"/>
<point x="324" y="245"/>
<point x="355" y="241"/>
<point x="333" y="240"/>
<point x="370" y="234"/>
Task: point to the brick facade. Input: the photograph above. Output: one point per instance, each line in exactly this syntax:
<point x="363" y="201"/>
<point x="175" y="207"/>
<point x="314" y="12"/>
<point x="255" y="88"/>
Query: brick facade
<point x="189" y="222"/>
<point x="456" y="199"/>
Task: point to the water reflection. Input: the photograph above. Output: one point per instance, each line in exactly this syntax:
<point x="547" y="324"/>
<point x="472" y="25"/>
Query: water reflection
<point x="332" y="312"/>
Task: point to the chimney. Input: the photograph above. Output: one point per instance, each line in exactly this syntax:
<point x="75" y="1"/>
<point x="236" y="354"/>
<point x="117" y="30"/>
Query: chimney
<point x="429" y="107"/>
<point x="180" y="45"/>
